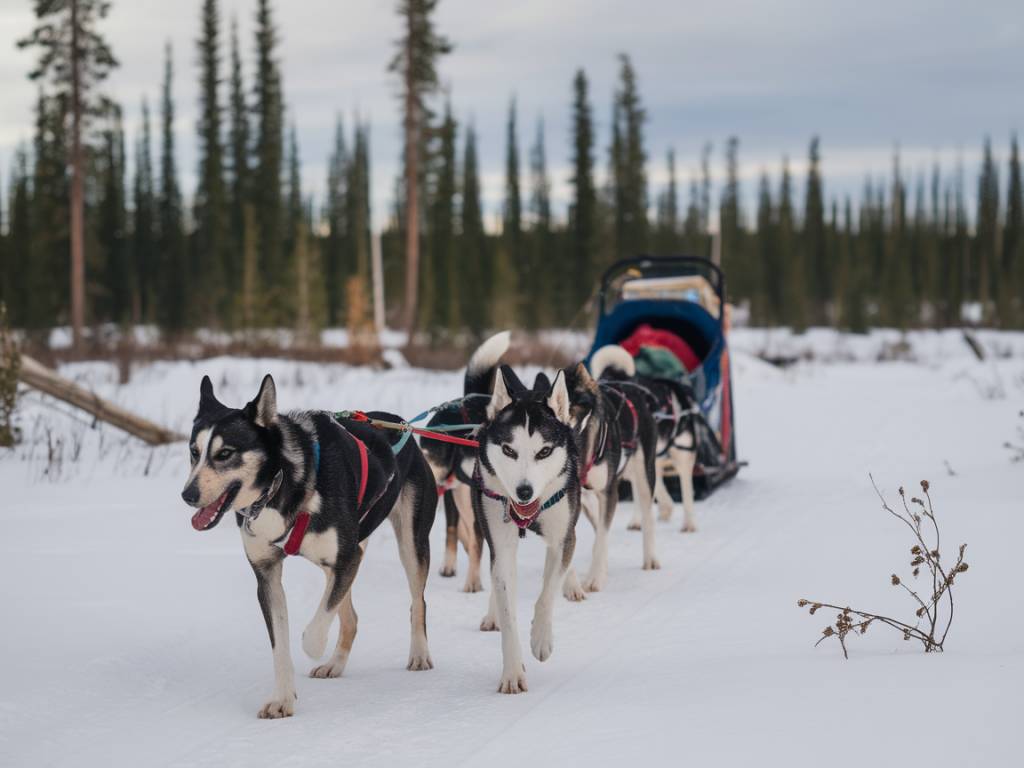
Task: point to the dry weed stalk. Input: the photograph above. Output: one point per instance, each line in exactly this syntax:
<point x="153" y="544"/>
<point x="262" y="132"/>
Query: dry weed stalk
<point x="1017" y="449"/>
<point x="933" y="612"/>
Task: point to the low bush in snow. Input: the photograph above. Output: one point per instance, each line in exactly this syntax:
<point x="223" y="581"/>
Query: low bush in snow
<point x="932" y="603"/>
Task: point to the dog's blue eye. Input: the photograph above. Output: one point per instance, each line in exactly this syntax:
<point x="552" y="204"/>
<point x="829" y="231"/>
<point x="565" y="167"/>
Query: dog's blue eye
<point x="195" y="453"/>
<point x="544" y="452"/>
<point x="224" y="453"/>
<point x="507" y="450"/>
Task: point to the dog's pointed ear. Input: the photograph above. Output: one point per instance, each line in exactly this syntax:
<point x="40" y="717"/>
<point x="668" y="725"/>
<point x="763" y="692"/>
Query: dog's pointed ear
<point x="500" y="397"/>
<point x="263" y="410"/>
<point x="583" y="377"/>
<point x="207" y="399"/>
<point x="558" y="399"/>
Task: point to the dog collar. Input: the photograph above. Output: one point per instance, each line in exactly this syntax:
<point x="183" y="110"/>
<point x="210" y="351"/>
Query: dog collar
<point x="251" y="512"/>
<point x="515" y="512"/>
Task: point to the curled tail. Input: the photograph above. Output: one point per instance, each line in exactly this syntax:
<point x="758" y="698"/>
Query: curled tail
<point x="485" y="361"/>
<point x="612" y="358"/>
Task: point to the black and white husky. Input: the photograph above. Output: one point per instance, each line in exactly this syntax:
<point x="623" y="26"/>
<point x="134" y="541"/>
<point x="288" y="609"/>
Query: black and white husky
<point x="673" y="406"/>
<point x="617" y="439"/>
<point x="452" y="465"/>
<point x="526" y="478"/>
<point x="309" y="484"/>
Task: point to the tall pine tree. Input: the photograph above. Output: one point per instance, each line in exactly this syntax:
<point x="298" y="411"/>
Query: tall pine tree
<point x="211" y="261"/>
<point x="511" y="259"/>
<point x="547" y="296"/>
<point x="76" y="58"/>
<point x="582" y="225"/>
<point x="815" y="248"/>
<point x="986" y="246"/>
<point x="335" y="219"/>
<point x="415" y="62"/>
<point x="629" y="161"/>
<point x="1011" y="280"/>
<point x="172" y="294"/>
<point x="474" y="253"/>
<point x="143" y="226"/>
<point x="238" y="151"/>
<point x="268" y="151"/>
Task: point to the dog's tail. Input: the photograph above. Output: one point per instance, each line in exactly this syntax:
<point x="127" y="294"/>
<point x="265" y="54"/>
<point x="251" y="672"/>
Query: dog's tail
<point x="612" y="358"/>
<point x="484" y="362"/>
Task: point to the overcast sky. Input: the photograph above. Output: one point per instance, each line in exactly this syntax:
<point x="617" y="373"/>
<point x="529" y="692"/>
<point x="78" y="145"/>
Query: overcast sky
<point x="932" y="76"/>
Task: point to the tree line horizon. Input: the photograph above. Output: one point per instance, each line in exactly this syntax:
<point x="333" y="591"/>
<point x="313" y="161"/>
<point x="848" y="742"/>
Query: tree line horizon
<point x="250" y="250"/>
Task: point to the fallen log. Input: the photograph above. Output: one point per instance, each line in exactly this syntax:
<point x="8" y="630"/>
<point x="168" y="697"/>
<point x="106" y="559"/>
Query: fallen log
<point x="38" y="376"/>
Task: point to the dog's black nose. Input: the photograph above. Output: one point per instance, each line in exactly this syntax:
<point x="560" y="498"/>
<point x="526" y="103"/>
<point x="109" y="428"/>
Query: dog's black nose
<point x="191" y="493"/>
<point x="524" y="491"/>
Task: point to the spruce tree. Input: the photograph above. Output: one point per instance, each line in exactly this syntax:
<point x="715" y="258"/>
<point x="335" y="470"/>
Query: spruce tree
<point x="415" y="63"/>
<point x="1011" y="281"/>
<point x="474" y="261"/>
<point x="814" y="252"/>
<point x="239" y="194"/>
<point x="766" y="300"/>
<point x="115" y="302"/>
<point x="51" y="219"/>
<point x="358" y="206"/>
<point x="334" y="215"/>
<point x="986" y="248"/>
<point x="211" y="257"/>
<point x="730" y="225"/>
<point x="667" y="228"/>
<point x="789" y="263"/>
<point x="172" y="293"/>
<point x="548" y="296"/>
<point x="896" y="300"/>
<point x="629" y="164"/>
<point x="582" y="225"/>
<point x="694" y="241"/>
<point x="143" y="227"/>
<point x="443" y="275"/>
<point x="20" y="242"/>
<point x="511" y="259"/>
<point x="268" y="154"/>
<point x="76" y="59"/>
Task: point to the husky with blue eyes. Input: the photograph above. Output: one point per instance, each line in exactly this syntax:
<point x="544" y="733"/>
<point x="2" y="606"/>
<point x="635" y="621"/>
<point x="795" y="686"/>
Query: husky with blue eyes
<point x="526" y="479"/>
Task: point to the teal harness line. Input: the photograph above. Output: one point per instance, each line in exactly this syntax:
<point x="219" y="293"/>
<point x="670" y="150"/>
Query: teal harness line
<point x="407" y="427"/>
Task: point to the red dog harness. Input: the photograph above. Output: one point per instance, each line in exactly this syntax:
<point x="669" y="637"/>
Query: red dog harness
<point x="298" y="532"/>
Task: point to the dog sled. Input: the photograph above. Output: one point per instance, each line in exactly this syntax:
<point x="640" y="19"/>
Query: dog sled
<point x="670" y="314"/>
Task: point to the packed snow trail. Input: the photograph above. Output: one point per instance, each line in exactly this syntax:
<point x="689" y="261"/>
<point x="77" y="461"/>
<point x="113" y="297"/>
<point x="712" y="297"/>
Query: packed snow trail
<point x="130" y="639"/>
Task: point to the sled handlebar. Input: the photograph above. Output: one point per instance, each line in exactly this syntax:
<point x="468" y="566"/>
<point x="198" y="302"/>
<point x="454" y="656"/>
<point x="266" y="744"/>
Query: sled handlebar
<point x="666" y="266"/>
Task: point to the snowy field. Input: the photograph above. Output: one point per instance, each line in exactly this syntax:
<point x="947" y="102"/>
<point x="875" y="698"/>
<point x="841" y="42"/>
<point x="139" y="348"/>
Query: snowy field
<point x="129" y="639"/>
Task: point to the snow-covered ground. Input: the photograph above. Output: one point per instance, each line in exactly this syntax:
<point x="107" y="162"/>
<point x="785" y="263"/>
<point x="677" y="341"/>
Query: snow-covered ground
<point x="128" y="639"/>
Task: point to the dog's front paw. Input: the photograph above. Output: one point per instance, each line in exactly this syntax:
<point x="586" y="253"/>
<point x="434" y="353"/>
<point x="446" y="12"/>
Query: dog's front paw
<point x="333" y="668"/>
<point x="513" y="682"/>
<point x="651" y="564"/>
<point x="542" y="641"/>
<point x="419" y="662"/>
<point x="594" y="583"/>
<point x="574" y="592"/>
<point x="278" y="708"/>
<point x="473" y="585"/>
<point x="634" y="524"/>
<point x="665" y="513"/>
<point x="447" y="571"/>
<point x="488" y="624"/>
<point x="314" y="640"/>
<point x="688" y="527"/>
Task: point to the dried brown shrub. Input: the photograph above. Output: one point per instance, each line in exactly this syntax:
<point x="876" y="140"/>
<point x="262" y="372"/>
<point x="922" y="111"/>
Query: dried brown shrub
<point x="933" y="612"/>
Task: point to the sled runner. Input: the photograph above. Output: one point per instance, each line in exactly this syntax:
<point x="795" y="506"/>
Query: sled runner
<point x="670" y="314"/>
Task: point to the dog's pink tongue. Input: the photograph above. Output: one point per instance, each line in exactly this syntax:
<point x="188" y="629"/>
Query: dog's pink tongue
<point x="201" y="520"/>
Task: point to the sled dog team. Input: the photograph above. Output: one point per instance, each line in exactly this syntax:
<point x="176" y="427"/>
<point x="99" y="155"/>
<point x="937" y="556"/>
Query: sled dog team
<point x="317" y="484"/>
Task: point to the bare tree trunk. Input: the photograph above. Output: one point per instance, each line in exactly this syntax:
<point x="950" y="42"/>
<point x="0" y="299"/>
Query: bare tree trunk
<point x="412" y="215"/>
<point x="77" y="195"/>
<point x="38" y="376"/>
